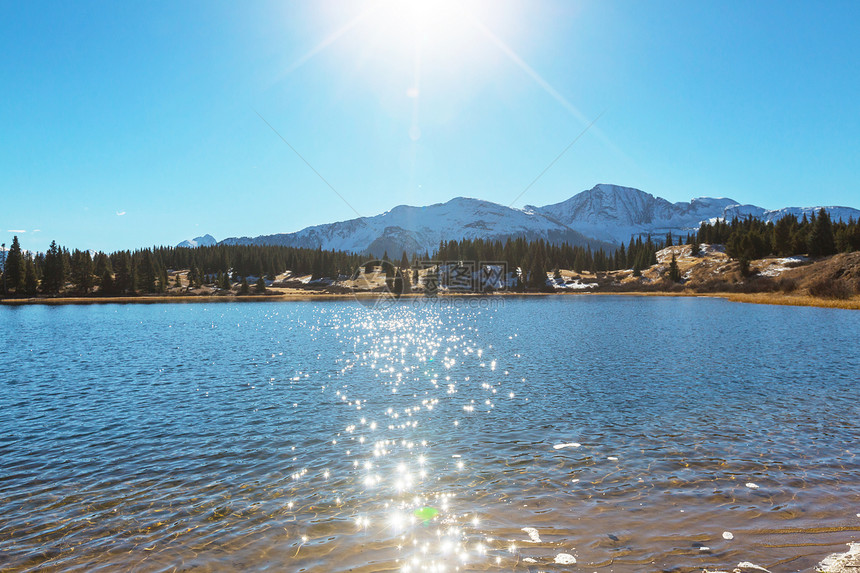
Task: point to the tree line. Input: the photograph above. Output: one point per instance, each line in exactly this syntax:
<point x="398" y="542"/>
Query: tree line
<point x="750" y="238"/>
<point x="538" y="257"/>
<point x="145" y="271"/>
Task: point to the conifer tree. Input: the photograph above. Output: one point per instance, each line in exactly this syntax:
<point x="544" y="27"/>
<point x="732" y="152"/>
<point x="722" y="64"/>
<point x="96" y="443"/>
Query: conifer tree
<point x="782" y="232"/>
<point x="82" y="271"/>
<point x="244" y="288"/>
<point x="107" y="284"/>
<point x="31" y="281"/>
<point x="260" y="286"/>
<point x="674" y="271"/>
<point x="820" y="239"/>
<point x="15" y="267"/>
<point x="123" y="279"/>
<point x="54" y="278"/>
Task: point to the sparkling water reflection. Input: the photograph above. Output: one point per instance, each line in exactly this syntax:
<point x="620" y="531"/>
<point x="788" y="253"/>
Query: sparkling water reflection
<point x="621" y="434"/>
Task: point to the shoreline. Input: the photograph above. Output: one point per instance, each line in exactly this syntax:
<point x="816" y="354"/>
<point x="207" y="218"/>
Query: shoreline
<point x="746" y="298"/>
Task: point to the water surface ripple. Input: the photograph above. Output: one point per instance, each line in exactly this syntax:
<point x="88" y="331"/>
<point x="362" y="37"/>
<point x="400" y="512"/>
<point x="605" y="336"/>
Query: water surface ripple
<point x="625" y="433"/>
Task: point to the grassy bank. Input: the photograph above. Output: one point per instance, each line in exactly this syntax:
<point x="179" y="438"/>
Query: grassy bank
<point x="750" y="298"/>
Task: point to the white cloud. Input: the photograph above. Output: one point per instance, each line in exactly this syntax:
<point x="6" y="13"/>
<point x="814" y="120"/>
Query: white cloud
<point x="120" y="213"/>
<point x="37" y="230"/>
<point x="16" y="231"/>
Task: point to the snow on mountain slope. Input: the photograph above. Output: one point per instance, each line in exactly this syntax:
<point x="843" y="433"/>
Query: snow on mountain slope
<point x="603" y="216"/>
<point x="614" y="213"/>
<point x="420" y="229"/>
<point x="204" y="241"/>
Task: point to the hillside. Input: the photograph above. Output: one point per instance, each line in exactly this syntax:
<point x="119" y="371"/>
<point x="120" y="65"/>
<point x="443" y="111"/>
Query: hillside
<point x="834" y="278"/>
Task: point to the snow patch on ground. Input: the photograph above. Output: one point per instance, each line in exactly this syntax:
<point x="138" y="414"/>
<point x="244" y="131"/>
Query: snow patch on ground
<point x="570" y="284"/>
<point x="776" y="267"/>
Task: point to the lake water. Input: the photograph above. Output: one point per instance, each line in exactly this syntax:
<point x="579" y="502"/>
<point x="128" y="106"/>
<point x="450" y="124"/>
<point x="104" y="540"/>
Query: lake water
<point x="632" y="434"/>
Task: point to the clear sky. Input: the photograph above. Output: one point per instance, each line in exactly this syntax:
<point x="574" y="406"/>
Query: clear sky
<point x="129" y="124"/>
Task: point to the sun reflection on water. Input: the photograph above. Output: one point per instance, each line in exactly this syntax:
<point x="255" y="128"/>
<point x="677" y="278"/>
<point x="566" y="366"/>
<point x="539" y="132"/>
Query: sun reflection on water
<point x="395" y="488"/>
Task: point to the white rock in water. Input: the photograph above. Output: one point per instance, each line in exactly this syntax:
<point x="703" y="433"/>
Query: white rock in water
<point x="569" y="445"/>
<point x="533" y="534"/>
<point x="838" y="561"/>
<point x="748" y="565"/>
<point x="565" y="559"/>
<point x="751" y="485"/>
<point x="728" y="535"/>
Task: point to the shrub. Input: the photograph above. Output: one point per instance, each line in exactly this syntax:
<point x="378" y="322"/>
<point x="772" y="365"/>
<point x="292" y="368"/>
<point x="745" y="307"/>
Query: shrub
<point x="786" y="284"/>
<point x="757" y="284"/>
<point x="714" y="285"/>
<point x="831" y="288"/>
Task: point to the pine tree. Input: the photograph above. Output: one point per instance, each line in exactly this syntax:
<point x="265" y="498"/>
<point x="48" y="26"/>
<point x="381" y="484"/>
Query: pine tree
<point x="782" y="232"/>
<point x="244" y="288"/>
<point x="82" y="271"/>
<point x="54" y="278"/>
<point x="674" y="271"/>
<point x="15" y="267"/>
<point x="694" y="247"/>
<point x="260" y="286"/>
<point x="123" y="280"/>
<point x="107" y="284"/>
<point x="145" y="272"/>
<point x="820" y="240"/>
<point x="31" y="282"/>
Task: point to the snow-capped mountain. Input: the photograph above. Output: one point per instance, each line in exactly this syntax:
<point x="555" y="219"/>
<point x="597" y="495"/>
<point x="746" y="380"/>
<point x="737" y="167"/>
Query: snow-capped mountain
<point x="601" y="217"/>
<point x="420" y="229"/>
<point x="204" y="241"/>
<point x="613" y="213"/>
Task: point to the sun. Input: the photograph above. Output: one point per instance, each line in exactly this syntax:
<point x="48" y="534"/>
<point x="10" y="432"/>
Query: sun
<point x="435" y="28"/>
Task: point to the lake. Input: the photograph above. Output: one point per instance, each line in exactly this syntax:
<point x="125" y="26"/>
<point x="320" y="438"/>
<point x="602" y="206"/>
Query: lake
<point x="501" y="434"/>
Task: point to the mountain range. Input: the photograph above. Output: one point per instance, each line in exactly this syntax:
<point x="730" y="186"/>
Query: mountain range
<point x="601" y="217"/>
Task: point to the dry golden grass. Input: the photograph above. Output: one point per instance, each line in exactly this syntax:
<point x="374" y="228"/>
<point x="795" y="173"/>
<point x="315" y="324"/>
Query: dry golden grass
<point x="757" y="298"/>
<point x="152" y="299"/>
<point x="793" y="300"/>
<point x="752" y="298"/>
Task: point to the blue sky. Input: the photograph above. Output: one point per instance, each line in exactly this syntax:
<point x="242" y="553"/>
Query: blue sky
<point x="128" y="124"/>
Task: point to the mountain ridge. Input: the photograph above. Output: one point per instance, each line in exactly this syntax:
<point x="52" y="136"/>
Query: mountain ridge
<point x="601" y="217"/>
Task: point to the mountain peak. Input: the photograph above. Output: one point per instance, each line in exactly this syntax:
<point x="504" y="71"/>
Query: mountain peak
<point x="206" y="240"/>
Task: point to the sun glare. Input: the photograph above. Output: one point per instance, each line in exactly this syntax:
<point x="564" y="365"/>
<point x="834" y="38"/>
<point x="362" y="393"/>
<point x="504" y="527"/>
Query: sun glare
<point x="435" y="28"/>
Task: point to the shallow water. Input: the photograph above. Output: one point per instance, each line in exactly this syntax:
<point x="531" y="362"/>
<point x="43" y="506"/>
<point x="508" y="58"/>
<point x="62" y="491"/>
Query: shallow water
<point x="309" y="436"/>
